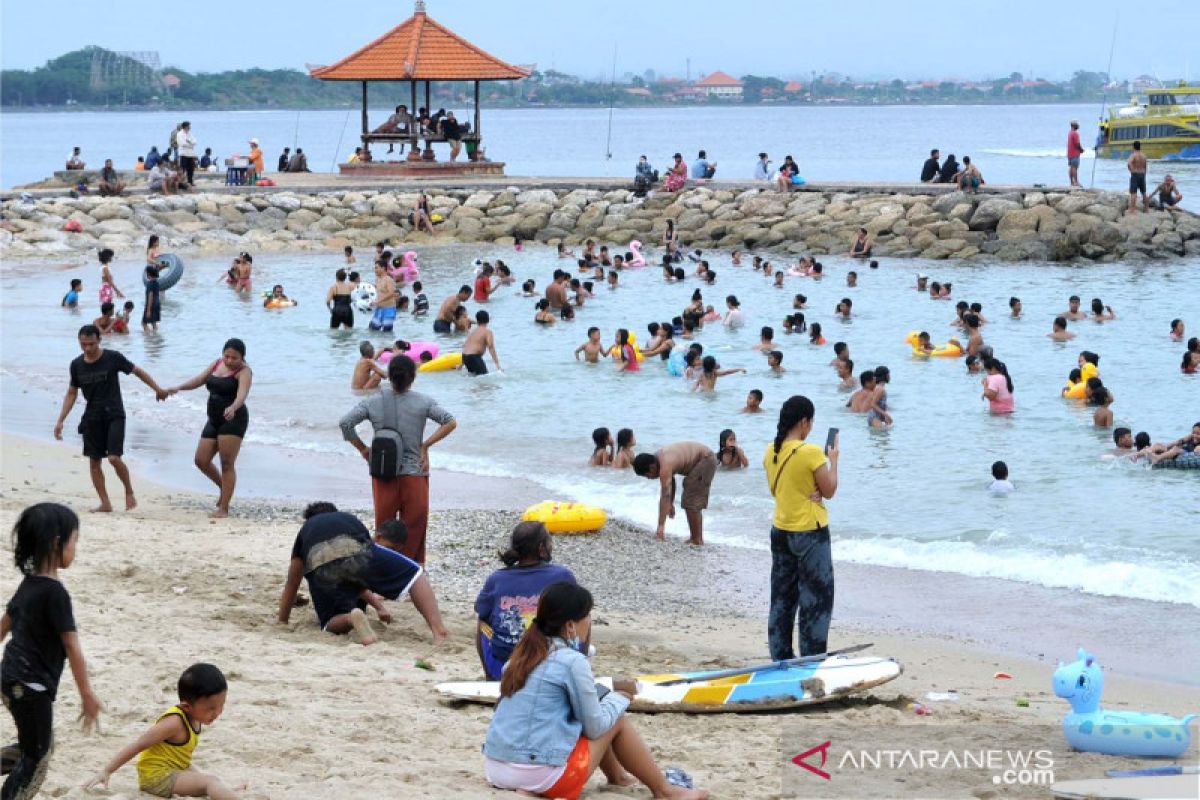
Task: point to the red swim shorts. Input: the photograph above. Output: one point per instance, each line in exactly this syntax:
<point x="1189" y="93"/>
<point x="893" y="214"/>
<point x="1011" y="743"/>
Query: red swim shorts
<point x="576" y="775"/>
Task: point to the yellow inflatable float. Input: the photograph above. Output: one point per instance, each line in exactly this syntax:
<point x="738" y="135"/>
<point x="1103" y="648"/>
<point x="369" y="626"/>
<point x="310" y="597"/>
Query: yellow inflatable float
<point x="566" y="517"/>
<point x="442" y="363"/>
<point x="951" y="349"/>
<point x="1078" y="391"/>
<point x="615" y="351"/>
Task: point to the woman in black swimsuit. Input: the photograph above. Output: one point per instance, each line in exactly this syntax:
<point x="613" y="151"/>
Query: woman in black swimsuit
<point x="228" y="382"/>
<point x="338" y="301"/>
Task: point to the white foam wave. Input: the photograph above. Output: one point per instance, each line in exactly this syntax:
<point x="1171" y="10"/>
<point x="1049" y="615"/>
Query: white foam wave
<point x="1030" y="153"/>
<point x="1177" y="582"/>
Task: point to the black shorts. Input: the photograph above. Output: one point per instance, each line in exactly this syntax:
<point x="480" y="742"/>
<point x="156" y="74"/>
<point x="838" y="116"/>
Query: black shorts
<point x="1137" y="183"/>
<point x="217" y="425"/>
<point x="341" y="315"/>
<point x="441" y="326"/>
<point x="331" y="599"/>
<point x="103" y="437"/>
<point x="474" y="364"/>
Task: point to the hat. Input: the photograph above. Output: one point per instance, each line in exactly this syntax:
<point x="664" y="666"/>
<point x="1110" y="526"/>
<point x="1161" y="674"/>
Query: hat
<point x="254" y="141"/>
<point x="1075" y="122"/>
<point x="762" y="155"/>
<point x="921" y="276"/>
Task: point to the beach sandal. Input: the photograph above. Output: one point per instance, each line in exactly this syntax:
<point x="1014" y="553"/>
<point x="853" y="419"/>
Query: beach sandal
<point x="677" y="777"/>
<point x="9" y="755"/>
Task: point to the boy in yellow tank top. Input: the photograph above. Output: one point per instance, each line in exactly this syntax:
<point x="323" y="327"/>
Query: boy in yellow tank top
<point x="165" y="762"/>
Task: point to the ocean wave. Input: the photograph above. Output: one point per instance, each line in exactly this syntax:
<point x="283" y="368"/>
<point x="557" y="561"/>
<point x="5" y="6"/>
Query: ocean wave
<point x="1030" y="153"/>
<point x="1176" y="582"/>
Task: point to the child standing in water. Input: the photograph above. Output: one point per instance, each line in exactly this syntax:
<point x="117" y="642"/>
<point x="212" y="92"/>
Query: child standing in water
<point x="1098" y="395"/>
<point x="707" y="382"/>
<point x="775" y="362"/>
<point x="42" y="623"/>
<point x="1000" y="484"/>
<point x="623" y="459"/>
<point x="753" y="402"/>
<point x="602" y="450"/>
<point x="121" y="323"/>
<point x="728" y="453"/>
<point x="625" y="355"/>
<point x="592" y="349"/>
<point x="107" y="287"/>
<point x="71" y="298"/>
<point x="164" y="751"/>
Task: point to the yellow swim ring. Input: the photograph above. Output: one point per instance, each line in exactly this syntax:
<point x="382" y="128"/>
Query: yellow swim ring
<point x="615" y="351"/>
<point x="566" y="517"/>
<point x="442" y="363"/>
<point x="280" y="303"/>
<point x="951" y="349"/>
<point x="1078" y="391"/>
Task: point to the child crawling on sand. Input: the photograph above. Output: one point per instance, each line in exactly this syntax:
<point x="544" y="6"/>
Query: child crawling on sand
<point x="165" y="750"/>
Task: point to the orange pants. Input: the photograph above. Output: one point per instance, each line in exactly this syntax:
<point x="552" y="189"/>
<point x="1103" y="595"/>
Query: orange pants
<point x="405" y="498"/>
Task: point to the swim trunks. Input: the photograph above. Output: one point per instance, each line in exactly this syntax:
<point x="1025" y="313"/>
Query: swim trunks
<point x="1137" y="183"/>
<point x="697" y="483"/>
<point x="441" y="326"/>
<point x="1073" y="162"/>
<point x="383" y="319"/>
<point x="103" y="437"/>
<point x="217" y="425"/>
<point x="473" y="363"/>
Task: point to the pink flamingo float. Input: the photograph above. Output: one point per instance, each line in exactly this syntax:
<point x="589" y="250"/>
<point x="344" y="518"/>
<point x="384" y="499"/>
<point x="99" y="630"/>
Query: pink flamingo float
<point x="638" y="259"/>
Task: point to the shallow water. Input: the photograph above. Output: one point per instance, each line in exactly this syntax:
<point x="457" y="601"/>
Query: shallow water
<point x="914" y="496"/>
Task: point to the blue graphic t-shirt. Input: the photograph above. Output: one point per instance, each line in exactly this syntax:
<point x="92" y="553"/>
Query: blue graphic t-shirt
<point x="509" y="598"/>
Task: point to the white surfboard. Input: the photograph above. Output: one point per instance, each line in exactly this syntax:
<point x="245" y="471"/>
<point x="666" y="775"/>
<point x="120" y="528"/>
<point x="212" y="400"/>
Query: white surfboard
<point x="1157" y="787"/>
<point x="769" y="689"/>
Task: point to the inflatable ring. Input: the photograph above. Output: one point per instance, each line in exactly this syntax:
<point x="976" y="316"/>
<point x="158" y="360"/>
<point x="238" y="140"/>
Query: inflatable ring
<point x="280" y="303"/>
<point x="615" y="350"/>
<point x="170" y="270"/>
<point x="364" y="297"/>
<point x="419" y="352"/>
<point x="442" y="363"/>
<point x="1078" y="391"/>
<point x="638" y="259"/>
<point x="566" y="517"/>
<point x="951" y="349"/>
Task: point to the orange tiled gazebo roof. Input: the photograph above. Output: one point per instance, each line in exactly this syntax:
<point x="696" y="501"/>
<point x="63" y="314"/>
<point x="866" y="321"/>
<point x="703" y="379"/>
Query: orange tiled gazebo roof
<point x="420" y="49"/>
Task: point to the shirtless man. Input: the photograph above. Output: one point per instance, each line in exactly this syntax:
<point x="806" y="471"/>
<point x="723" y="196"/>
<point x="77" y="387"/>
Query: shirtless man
<point x="975" y="342"/>
<point x="385" y="301"/>
<point x="1137" y="178"/>
<point x="592" y="349"/>
<point x="697" y="464"/>
<point x="556" y="292"/>
<point x="864" y="399"/>
<point x="367" y="373"/>
<point x="1073" y="311"/>
<point x="444" y="323"/>
<point x="753" y="402"/>
<point x="1060" y="332"/>
<point x="478" y="340"/>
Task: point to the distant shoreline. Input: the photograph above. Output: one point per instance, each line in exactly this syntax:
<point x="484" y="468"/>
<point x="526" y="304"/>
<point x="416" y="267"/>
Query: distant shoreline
<point x="77" y="107"/>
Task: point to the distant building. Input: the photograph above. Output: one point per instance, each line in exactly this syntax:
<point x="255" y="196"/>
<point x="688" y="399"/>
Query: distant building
<point x="638" y="91"/>
<point x="793" y="87"/>
<point x="170" y="81"/>
<point x="720" y="85"/>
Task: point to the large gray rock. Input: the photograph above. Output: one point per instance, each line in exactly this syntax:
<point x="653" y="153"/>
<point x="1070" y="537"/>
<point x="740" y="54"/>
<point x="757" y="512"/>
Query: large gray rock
<point x="947" y="201"/>
<point x="537" y="196"/>
<point x="988" y="213"/>
<point x="113" y="210"/>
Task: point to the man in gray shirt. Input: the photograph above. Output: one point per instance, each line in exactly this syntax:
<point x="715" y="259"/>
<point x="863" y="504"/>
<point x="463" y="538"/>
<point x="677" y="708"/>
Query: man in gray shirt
<point x="406" y="496"/>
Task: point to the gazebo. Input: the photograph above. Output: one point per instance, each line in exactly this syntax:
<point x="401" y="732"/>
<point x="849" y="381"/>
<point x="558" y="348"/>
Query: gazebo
<point x="420" y="50"/>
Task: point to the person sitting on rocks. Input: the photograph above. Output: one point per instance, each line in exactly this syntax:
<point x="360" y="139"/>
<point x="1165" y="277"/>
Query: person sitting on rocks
<point x="702" y="168"/>
<point x="929" y="172"/>
<point x="949" y="170"/>
<point x="1167" y="195"/>
<point x="75" y="160"/>
<point x="645" y="177"/>
<point x="789" y="175"/>
<point x="284" y="159"/>
<point x="110" y="182"/>
<point x="677" y="175"/>
<point x="163" y="178"/>
<point x="298" y="162"/>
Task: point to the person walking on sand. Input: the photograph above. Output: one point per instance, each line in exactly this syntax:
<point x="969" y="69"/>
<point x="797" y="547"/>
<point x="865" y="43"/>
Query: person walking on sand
<point x="96" y="373"/>
<point x="800" y="476"/>
<point x="479" y="340"/>
<point x="1137" y="178"/>
<point x="1074" y="151"/>
<point x="697" y="464"/>
<point x="228" y="382"/>
<point x="399" y="453"/>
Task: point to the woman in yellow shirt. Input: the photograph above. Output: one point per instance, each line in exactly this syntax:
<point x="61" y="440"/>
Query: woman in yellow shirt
<point x="800" y="477"/>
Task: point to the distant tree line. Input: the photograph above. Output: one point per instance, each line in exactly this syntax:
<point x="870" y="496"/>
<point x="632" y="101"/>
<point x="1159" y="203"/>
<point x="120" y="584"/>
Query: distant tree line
<point x="76" y="79"/>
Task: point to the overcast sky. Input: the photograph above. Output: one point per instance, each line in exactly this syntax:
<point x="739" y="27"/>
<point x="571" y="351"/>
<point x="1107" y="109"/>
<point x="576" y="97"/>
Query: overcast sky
<point x="784" y="38"/>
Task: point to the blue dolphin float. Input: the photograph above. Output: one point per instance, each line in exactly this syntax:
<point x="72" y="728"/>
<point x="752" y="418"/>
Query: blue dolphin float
<point x="1090" y="728"/>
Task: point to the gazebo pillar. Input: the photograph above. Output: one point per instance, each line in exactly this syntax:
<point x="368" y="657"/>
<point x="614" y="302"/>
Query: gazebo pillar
<point x="475" y="126"/>
<point x="428" y="154"/>
<point x="414" y="127"/>
<point x="365" y="124"/>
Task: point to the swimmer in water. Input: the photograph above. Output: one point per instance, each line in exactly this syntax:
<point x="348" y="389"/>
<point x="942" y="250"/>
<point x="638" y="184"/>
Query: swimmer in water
<point x="529" y="289"/>
<point x="477" y="343"/>
<point x="277" y="296"/>
<point x="462" y="320"/>
<point x="735" y="258"/>
<point x="623" y="458"/>
<point x="862" y="400"/>
<point x="613" y="279"/>
<point x="975" y="340"/>
<point x="851" y="279"/>
<point x="1060" y="332"/>
<point x="563" y="252"/>
<point x="592" y="349"/>
<point x="1177" y="330"/>
<point x="974" y="365"/>
<point x="121" y="322"/>
<point x="1014" y="303"/>
<point x="707" y="379"/>
<point x="877" y="415"/>
<point x="71" y="298"/>
<point x="925" y="346"/>
<point x="367" y="374"/>
<point x="754" y="400"/>
<point x="779" y="279"/>
<point x="766" y="341"/>
<point x="734" y="318"/>
<point x="1101" y="312"/>
<point x="814" y="334"/>
<point x="922" y="282"/>
<point x="729" y="454"/>
<point x="844" y="307"/>
<point x="1099" y="396"/>
<point x="106" y="320"/>
<point x="1073" y="311"/>
<point x="623" y="353"/>
<point x="775" y="362"/>
<point x="348" y="252"/>
<point x="799" y="302"/>
<point x="544" y="315"/>
<point x="845" y="371"/>
<point x="935" y="290"/>
<point x="841" y="353"/>
<point x="602" y="448"/>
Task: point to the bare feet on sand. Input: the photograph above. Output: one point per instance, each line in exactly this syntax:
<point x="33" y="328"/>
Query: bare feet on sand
<point x="679" y="793"/>
<point x="358" y="620"/>
<point x="218" y="513"/>
<point x="101" y="509"/>
<point x="130" y="502"/>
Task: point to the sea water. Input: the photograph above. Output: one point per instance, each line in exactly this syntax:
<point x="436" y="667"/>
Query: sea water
<point x="913" y="496"/>
<point x="1009" y="143"/>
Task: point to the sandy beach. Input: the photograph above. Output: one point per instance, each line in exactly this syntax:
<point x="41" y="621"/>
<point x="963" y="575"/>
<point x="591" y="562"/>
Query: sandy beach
<point x="311" y="715"/>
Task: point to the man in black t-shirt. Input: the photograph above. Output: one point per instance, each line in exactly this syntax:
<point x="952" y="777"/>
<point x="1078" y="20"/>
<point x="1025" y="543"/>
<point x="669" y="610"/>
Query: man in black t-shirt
<point x="346" y="571"/>
<point x="930" y="170"/>
<point x="97" y="374"/>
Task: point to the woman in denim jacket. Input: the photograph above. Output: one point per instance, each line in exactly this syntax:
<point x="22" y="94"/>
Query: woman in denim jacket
<point x="552" y="727"/>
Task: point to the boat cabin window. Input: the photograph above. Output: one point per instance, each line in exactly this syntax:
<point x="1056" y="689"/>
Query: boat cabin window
<point x="1162" y="100"/>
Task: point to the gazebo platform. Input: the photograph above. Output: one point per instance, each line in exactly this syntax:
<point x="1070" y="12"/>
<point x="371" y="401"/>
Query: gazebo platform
<point x="421" y="169"/>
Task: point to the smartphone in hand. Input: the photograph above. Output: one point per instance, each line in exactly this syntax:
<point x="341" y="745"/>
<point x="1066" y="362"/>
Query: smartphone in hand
<point x="831" y="439"/>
